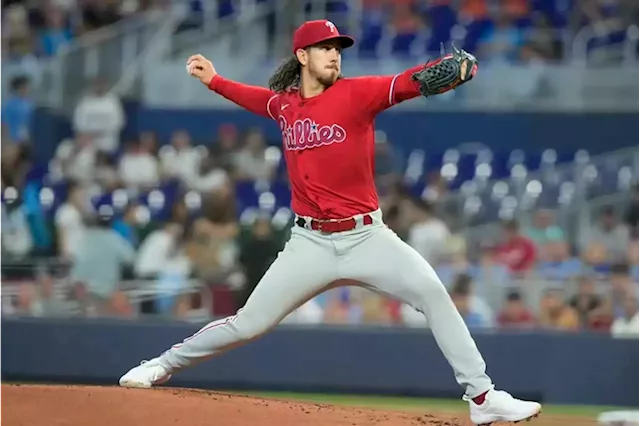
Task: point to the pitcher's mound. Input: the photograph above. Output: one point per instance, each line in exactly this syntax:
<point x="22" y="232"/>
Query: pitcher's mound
<point x="37" y="405"/>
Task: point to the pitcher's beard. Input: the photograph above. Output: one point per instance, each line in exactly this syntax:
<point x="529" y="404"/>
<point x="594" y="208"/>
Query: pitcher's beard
<point x="327" y="81"/>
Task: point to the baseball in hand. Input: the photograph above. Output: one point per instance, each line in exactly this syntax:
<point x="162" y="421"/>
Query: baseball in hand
<point x="200" y="67"/>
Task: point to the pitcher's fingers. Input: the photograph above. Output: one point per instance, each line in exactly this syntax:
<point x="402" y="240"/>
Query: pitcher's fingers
<point x="193" y="67"/>
<point x="197" y="57"/>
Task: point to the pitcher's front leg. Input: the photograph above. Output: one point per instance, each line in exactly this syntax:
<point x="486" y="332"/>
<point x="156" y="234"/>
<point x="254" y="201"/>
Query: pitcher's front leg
<point x="304" y="268"/>
<point x="388" y="265"/>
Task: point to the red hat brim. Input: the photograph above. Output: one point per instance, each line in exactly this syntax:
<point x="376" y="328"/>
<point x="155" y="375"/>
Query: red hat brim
<point x="345" y="41"/>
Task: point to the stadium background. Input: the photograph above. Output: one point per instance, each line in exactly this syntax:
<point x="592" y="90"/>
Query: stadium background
<point x="520" y="188"/>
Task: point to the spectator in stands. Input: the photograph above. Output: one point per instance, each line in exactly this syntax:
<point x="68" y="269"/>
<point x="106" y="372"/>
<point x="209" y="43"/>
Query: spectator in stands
<point x="17" y="241"/>
<point x="555" y="263"/>
<point x="631" y="214"/>
<point x="149" y="140"/>
<point x="543" y="38"/>
<point x="388" y="166"/>
<point x="406" y="23"/>
<point x="556" y="314"/>
<point x="489" y="278"/>
<point x="503" y="40"/>
<point x="106" y="174"/>
<point x="139" y="167"/>
<point x="595" y="259"/>
<point x="543" y="230"/>
<point x="15" y="165"/>
<point x="180" y="160"/>
<point x="18" y="53"/>
<point x="25" y="301"/>
<point x="436" y="187"/>
<point x="627" y="326"/>
<point x="173" y="282"/>
<point x="97" y="14"/>
<point x="70" y="221"/>
<point x="76" y="159"/>
<point x="516" y="251"/>
<point x="50" y="303"/>
<point x="601" y="318"/>
<point x="211" y="177"/>
<point x="56" y="33"/>
<point x="586" y="300"/>
<point x="156" y="250"/>
<point x="100" y="114"/>
<point x="515" y="314"/>
<point x="610" y="233"/>
<point x="373" y="309"/>
<point x="257" y="252"/>
<point x="98" y="267"/>
<point x="474" y="310"/>
<point x="251" y="162"/>
<point x="341" y="305"/>
<point x="622" y="288"/>
<point x="309" y="313"/>
<point x="226" y="147"/>
<point x="215" y="250"/>
<point x="126" y="224"/>
<point x="428" y="234"/>
<point x="17" y="111"/>
<point x="453" y="260"/>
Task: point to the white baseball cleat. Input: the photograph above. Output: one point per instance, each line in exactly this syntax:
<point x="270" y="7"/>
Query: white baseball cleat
<point x="145" y="375"/>
<point x="500" y="406"/>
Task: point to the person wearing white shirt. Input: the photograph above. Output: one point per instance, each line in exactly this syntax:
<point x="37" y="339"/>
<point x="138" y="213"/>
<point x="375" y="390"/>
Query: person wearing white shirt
<point x="139" y="167"/>
<point x="181" y="160"/>
<point x="627" y="327"/>
<point x="428" y="235"/>
<point x="157" y="250"/>
<point x="251" y="162"/>
<point x="76" y="158"/>
<point x="101" y="114"/>
<point x="70" y="223"/>
<point x="16" y="236"/>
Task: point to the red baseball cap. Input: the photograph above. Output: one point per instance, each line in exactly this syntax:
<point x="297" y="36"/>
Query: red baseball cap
<point x="313" y="32"/>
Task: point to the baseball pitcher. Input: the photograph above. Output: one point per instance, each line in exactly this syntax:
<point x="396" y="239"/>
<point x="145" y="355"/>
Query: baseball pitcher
<point x="339" y="237"/>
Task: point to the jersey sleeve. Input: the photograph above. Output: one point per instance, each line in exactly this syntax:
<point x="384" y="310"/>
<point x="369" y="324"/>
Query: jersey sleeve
<point x="378" y="93"/>
<point x="255" y="99"/>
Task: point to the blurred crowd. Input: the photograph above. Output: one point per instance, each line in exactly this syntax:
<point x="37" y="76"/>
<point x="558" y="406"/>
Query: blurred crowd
<point x="510" y="30"/>
<point x="35" y="28"/>
<point x="506" y="30"/>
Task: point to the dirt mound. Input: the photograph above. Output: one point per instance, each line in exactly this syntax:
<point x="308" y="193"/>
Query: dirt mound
<point x="37" y="405"/>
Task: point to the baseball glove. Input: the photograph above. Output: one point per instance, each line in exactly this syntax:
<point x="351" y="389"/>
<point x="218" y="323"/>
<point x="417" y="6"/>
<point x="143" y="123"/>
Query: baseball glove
<point x="447" y="72"/>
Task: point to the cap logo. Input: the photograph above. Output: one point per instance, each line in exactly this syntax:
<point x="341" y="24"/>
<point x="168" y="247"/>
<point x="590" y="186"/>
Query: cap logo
<point x="331" y="26"/>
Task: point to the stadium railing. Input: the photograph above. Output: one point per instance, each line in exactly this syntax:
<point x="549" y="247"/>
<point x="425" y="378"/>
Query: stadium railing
<point x="106" y="52"/>
<point x="34" y="273"/>
<point x="621" y="44"/>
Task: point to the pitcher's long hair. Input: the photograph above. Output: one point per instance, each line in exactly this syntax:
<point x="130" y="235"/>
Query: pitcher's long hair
<point x="287" y="76"/>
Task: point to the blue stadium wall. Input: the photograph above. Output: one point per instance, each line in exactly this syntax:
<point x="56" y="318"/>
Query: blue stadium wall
<point x="435" y="131"/>
<point x="554" y="368"/>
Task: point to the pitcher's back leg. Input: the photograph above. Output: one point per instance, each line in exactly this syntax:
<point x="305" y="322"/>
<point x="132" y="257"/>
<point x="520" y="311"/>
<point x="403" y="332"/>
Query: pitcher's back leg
<point x="304" y="268"/>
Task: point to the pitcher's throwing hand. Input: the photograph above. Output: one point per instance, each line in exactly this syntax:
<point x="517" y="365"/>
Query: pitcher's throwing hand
<point x="201" y="68"/>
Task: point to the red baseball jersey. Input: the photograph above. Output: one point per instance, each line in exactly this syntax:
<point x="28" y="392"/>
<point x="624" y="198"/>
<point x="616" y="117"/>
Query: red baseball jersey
<point x="328" y="139"/>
